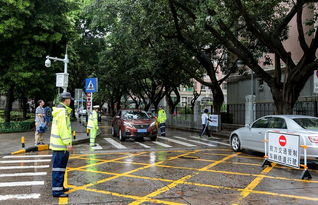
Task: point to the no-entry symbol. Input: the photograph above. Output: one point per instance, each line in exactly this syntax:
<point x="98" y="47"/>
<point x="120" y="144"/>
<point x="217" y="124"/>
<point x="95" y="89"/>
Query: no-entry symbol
<point x="282" y="140"/>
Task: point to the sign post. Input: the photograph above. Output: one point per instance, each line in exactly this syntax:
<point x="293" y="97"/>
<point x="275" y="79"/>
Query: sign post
<point x="91" y="86"/>
<point x="284" y="149"/>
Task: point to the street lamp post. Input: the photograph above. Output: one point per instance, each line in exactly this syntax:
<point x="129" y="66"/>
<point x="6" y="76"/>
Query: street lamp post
<point x="65" y="61"/>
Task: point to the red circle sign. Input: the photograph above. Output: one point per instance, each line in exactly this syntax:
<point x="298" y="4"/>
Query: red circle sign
<point x="282" y="140"/>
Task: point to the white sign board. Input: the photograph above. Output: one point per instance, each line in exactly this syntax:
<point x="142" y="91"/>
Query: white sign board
<point x="315" y="81"/>
<point x="214" y="120"/>
<point x="61" y="80"/>
<point x="283" y="149"/>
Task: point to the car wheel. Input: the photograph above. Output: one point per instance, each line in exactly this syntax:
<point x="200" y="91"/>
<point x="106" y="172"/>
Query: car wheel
<point x="113" y="132"/>
<point x="120" y="135"/>
<point x="153" y="138"/>
<point x="236" y="143"/>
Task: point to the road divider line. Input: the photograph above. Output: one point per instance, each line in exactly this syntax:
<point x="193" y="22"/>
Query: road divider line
<point x="26" y="183"/>
<point x="24" y="174"/>
<point x="26" y="156"/>
<point x="162" y="144"/>
<point x="115" y="143"/>
<point x="195" y="141"/>
<point x="143" y="145"/>
<point x="19" y="196"/>
<point x="178" y="142"/>
<point x="97" y="146"/>
<point x="25" y="167"/>
<point x="24" y="161"/>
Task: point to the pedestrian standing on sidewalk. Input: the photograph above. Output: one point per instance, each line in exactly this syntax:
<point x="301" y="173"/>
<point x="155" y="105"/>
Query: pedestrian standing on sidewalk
<point x="61" y="143"/>
<point x="39" y="123"/>
<point x="162" y="118"/>
<point x="205" y="123"/>
<point x="92" y="125"/>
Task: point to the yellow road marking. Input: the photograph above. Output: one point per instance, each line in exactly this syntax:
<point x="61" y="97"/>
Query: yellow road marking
<point x="180" y="181"/>
<point x="247" y="190"/>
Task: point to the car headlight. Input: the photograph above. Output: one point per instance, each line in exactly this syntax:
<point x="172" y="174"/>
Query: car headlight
<point x="153" y="124"/>
<point x="128" y="125"/>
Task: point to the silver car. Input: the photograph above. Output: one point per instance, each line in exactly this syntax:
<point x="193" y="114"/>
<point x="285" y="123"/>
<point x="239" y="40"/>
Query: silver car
<point x="251" y="136"/>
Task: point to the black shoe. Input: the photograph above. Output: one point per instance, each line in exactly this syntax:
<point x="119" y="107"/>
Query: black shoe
<point x="66" y="189"/>
<point x="61" y="195"/>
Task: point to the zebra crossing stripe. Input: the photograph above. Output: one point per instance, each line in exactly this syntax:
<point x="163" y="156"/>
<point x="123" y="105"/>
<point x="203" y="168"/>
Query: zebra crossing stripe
<point x="178" y="142"/>
<point x="24" y="161"/>
<point x="26" y="156"/>
<point x="195" y="141"/>
<point x="19" y="196"/>
<point x="24" y="174"/>
<point x="216" y="142"/>
<point x="25" y="167"/>
<point x="162" y="144"/>
<point x="115" y="144"/>
<point x="97" y="146"/>
<point x="26" y="183"/>
<point x="143" y="145"/>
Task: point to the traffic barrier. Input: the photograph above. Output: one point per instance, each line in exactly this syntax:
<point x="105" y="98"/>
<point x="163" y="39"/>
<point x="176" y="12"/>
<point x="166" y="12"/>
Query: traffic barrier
<point x="284" y="149"/>
<point x="32" y="149"/>
<point x="22" y="142"/>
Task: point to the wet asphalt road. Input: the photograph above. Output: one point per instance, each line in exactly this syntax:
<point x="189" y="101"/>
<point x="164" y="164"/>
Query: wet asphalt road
<point x="179" y="169"/>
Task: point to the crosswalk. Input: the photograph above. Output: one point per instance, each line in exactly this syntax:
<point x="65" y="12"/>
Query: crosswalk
<point x="161" y="142"/>
<point x="15" y="174"/>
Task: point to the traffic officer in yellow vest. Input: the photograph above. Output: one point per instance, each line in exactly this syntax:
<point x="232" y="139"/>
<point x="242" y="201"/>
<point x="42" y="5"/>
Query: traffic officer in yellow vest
<point x="162" y="118"/>
<point x="92" y="125"/>
<point x="61" y="143"/>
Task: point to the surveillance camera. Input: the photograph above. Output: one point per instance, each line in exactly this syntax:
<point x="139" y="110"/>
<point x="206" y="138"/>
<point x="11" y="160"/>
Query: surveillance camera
<point x="47" y="63"/>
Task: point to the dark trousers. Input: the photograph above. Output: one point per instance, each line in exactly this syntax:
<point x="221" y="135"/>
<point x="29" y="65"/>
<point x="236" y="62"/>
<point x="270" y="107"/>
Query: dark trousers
<point x="162" y="129"/>
<point x="59" y="162"/>
<point x="205" y="130"/>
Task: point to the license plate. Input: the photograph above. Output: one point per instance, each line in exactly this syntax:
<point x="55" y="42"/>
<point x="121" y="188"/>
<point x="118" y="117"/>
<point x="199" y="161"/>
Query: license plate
<point x="142" y="130"/>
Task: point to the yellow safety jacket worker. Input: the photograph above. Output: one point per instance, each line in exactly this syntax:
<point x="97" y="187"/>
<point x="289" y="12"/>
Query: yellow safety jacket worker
<point x="93" y="121"/>
<point x="162" y="117"/>
<point x="61" y="133"/>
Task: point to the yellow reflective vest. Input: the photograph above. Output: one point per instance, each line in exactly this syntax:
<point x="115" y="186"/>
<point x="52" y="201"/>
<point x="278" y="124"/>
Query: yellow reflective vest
<point x="92" y="120"/>
<point x="162" y="117"/>
<point x="61" y="132"/>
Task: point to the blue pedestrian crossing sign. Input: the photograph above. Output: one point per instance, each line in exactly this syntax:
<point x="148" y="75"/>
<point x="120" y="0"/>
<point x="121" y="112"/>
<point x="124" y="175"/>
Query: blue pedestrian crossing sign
<point x="91" y="85"/>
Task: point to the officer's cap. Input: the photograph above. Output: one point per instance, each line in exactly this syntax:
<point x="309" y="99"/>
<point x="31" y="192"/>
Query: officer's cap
<point x="66" y="95"/>
<point x="96" y="106"/>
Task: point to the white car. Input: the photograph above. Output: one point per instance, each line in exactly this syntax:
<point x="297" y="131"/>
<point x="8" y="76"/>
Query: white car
<point x="251" y="136"/>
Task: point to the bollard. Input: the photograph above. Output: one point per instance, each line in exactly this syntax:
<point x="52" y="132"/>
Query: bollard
<point x="87" y="131"/>
<point x="74" y="135"/>
<point x="22" y="142"/>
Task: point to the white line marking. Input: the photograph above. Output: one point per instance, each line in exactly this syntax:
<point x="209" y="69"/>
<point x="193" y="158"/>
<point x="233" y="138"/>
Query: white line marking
<point x="195" y="141"/>
<point x="141" y="144"/>
<point x="19" y="196"/>
<point x="26" y="156"/>
<point x="24" y="174"/>
<point x="162" y="144"/>
<point x="25" y="167"/>
<point x="178" y="142"/>
<point x="115" y="144"/>
<point x="97" y="146"/>
<point x="24" y="161"/>
<point x="27" y="183"/>
<point x="206" y="140"/>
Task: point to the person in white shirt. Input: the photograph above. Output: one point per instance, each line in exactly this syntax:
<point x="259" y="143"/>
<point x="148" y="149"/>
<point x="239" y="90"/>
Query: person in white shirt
<point x="205" y="123"/>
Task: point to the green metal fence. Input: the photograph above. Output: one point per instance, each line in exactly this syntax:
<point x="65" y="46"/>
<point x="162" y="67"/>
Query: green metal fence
<point x="8" y="127"/>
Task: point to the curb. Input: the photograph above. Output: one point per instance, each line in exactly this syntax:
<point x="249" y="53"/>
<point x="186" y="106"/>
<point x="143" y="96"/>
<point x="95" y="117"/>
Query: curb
<point x="31" y="149"/>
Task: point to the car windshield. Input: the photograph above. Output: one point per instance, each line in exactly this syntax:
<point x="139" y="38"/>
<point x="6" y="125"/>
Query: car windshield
<point x="135" y="115"/>
<point x="307" y="123"/>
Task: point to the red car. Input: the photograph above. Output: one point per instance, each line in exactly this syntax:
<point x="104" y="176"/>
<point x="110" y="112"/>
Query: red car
<point x="132" y="123"/>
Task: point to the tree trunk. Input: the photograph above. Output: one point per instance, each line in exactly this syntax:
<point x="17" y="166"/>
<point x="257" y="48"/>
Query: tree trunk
<point x="218" y="99"/>
<point x="173" y="105"/>
<point x="8" y="107"/>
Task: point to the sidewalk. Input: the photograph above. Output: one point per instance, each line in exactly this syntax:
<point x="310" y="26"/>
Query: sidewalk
<point x="11" y="142"/>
